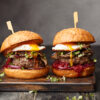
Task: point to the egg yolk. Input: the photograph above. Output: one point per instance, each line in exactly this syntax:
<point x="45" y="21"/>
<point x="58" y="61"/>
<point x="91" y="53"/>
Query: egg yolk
<point x="34" y="47"/>
<point x="71" y="59"/>
<point x="69" y="45"/>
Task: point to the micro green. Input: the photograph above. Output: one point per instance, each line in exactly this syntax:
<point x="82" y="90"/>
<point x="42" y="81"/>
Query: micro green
<point x="76" y="52"/>
<point x="94" y="60"/>
<point x="33" y="91"/>
<point x="56" y="79"/>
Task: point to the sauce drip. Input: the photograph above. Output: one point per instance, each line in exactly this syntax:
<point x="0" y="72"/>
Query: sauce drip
<point x="71" y="59"/>
<point x="70" y="47"/>
<point x="71" y="54"/>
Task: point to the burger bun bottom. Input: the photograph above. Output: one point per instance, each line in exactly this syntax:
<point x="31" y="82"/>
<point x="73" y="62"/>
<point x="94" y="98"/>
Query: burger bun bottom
<point x="73" y="74"/>
<point x="26" y="74"/>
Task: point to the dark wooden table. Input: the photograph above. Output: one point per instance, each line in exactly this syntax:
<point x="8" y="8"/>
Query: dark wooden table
<point x="62" y="95"/>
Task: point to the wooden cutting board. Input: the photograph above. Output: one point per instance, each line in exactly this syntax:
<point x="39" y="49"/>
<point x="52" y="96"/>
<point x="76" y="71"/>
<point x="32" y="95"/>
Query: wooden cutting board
<point x="42" y="84"/>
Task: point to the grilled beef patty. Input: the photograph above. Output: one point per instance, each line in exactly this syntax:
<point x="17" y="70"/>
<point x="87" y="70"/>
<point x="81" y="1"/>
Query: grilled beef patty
<point x="28" y="63"/>
<point x="28" y="60"/>
<point x="78" y="57"/>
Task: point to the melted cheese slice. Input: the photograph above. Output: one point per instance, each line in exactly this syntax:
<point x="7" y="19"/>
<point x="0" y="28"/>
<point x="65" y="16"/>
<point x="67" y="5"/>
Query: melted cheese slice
<point x="29" y="47"/>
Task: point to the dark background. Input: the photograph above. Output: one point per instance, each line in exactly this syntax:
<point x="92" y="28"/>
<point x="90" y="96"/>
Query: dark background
<point x="46" y="17"/>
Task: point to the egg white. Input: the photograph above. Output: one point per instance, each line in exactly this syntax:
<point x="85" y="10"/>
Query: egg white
<point x="28" y="47"/>
<point x="65" y="47"/>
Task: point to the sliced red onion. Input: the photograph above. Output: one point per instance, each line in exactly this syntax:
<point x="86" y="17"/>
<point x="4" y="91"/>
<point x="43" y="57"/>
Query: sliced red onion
<point x="12" y="66"/>
<point x="63" y="65"/>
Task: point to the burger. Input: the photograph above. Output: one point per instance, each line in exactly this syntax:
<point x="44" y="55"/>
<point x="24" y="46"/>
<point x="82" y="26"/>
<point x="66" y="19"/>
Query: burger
<point x="24" y="56"/>
<point x="73" y="53"/>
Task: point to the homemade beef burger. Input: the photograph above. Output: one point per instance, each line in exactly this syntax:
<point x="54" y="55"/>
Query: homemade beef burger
<point x="24" y="57"/>
<point x="73" y="53"/>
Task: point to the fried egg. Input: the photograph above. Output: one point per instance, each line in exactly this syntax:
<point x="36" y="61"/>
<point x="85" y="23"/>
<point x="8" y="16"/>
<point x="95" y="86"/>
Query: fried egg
<point x="29" y="47"/>
<point x="66" y="47"/>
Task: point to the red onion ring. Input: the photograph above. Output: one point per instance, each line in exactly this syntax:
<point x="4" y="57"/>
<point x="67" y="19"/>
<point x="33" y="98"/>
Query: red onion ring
<point x="12" y="66"/>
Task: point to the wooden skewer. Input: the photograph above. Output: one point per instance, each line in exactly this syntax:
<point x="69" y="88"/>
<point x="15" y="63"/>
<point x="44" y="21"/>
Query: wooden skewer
<point x="9" y="25"/>
<point x="75" y="15"/>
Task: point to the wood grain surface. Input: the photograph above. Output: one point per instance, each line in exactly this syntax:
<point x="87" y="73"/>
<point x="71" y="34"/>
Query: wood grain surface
<point x="42" y="84"/>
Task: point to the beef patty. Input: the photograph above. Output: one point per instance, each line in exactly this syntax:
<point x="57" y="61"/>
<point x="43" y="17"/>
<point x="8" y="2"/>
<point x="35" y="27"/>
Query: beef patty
<point x="28" y="60"/>
<point x="78" y="57"/>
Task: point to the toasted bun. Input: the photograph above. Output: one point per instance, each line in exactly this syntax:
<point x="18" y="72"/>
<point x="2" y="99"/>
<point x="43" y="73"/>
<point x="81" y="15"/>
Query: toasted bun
<point x="26" y="74"/>
<point x="19" y="38"/>
<point x="73" y="35"/>
<point x="72" y="74"/>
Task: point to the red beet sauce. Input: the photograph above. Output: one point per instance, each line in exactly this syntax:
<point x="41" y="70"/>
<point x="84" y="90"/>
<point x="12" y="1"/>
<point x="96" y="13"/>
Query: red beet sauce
<point x="64" y="65"/>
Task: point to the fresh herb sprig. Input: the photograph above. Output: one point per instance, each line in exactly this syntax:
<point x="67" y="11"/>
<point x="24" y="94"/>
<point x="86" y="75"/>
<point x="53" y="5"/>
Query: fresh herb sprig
<point x="56" y="79"/>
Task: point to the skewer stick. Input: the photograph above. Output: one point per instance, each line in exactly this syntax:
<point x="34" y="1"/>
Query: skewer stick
<point x="75" y="15"/>
<point x="9" y="25"/>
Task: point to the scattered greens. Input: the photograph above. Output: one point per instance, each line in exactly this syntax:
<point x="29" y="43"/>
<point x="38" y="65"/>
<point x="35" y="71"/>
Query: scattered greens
<point x="0" y="80"/>
<point x="56" y="79"/>
<point x="33" y="91"/>
<point x="34" y="54"/>
<point x="76" y="52"/>
<point x="94" y="60"/>
<point x="80" y="97"/>
<point x="10" y="54"/>
<point x="10" y="63"/>
<point x="91" y="94"/>
<point x="22" y="68"/>
<point x="87" y="96"/>
<point x="88" y="48"/>
<point x="61" y="53"/>
<point x="74" y="98"/>
<point x="1" y="76"/>
<point x="26" y="55"/>
<point x="80" y="55"/>
<point x="81" y="45"/>
<point x="67" y="98"/>
<point x="43" y="56"/>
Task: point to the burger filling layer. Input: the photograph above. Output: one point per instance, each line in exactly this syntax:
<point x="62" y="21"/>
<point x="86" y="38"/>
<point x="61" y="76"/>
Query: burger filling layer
<point x="25" y="60"/>
<point x="73" y="59"/>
